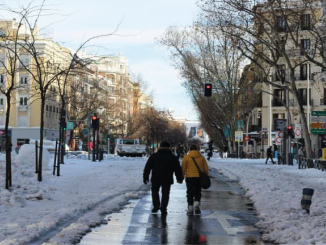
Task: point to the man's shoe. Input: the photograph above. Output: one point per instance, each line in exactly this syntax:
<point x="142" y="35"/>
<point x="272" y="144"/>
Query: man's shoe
<point x="155" y="210"/>
<point x="190" y="210"/>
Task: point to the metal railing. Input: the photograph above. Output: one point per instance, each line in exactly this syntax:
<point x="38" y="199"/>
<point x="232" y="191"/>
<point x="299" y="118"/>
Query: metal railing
<point x="305" y="162"/>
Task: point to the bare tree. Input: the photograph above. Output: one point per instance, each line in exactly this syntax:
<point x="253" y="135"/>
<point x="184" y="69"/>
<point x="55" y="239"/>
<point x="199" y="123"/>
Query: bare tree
<point x="269" y="34"/>
<point x="203" y="55"/>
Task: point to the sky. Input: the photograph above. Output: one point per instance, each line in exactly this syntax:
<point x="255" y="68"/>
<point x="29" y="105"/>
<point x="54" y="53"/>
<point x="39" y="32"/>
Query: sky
<point x="139" y="22"/>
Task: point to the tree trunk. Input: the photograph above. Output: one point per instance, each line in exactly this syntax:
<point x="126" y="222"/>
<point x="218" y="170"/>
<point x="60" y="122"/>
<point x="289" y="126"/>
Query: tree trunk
<point x="8" y="145"/>
<point x="41" y="140"/>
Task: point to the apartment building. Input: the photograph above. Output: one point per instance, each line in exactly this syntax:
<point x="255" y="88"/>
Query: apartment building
<point x="309" y="78"/>
<point x="25" y="112"/>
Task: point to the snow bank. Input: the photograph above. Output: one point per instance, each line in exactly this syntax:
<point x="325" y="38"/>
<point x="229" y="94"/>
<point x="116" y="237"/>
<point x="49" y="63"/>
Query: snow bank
<point x="69" y="204"/>
<point x="277" y="191"/>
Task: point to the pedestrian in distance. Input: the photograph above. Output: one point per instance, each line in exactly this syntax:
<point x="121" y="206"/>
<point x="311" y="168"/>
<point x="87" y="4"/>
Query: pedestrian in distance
<point x="210" y="150"/>
<point x="269" y="155"/>
<point x="162" y="165"/>
<point x="190" y="171"/>
<point x="180" y="150"/>
<point x="225" y="152"/>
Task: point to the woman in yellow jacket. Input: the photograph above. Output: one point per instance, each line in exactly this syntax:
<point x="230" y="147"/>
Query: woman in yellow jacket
<point x="190" y="171"/>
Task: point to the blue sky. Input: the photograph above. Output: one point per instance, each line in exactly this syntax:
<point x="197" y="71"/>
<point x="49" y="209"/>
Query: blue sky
<point x="141" y="21"/>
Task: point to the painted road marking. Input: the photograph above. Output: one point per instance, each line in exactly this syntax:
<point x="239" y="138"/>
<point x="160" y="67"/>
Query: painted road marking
<point x="223" y="220"/>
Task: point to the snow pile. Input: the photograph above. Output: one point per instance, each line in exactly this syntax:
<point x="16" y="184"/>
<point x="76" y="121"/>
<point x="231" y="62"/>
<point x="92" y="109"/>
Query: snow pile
<point x="26" y="159"/>
<point x="24" y="180"/>
<point x="277" y="192"/>
<point x="32" y="212"/>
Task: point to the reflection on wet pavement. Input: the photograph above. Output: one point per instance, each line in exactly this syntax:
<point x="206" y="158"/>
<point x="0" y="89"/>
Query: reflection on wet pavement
<point x="227" y="218"/>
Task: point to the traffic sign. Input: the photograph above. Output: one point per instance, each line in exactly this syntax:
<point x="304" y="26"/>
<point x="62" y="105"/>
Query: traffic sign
<point x="279" y="138"/>
<point x="70" y="125"/>
<point x="297" y="130"/>
<point x="238" y="136"/>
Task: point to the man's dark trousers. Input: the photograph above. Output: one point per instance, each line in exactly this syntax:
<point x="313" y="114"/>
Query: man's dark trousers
<point x="271" y="157"/>
<point x="163" y="204"/>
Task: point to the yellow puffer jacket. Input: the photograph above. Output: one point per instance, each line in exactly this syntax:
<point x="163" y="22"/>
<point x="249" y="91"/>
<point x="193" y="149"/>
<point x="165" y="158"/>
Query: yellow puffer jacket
<point x="188" y="166"/>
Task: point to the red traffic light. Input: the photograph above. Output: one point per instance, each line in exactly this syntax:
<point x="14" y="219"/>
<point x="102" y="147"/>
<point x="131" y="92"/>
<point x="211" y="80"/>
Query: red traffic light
<point x="208" y="86"/>
<point x="208" y="90"/>
<point x="289" y="127"/>
<point x="94" y="117"/>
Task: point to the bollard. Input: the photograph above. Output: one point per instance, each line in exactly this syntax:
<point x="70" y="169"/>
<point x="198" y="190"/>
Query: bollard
<point x="306" y="199"/>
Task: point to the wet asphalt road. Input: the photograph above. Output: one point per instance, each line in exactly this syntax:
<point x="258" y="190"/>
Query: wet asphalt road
<point x="227" y="218"/>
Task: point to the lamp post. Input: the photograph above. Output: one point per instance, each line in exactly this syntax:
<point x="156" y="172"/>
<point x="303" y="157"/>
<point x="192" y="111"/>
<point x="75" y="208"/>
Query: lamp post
<point x="308" y="96"/>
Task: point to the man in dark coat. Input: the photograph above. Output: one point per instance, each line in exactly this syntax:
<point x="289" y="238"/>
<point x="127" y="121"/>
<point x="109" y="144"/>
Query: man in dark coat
<point x="269" y="155"/>
<point x="162" y="165"/>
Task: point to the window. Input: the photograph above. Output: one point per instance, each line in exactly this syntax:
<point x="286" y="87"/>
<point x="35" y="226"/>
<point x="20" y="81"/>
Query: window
<point x="280" y="73"/>
<point x="2" y="60"/>
<point x="50" y="108"/>
<point x="47" y="108"/>
<point x="24" y="60"/>
<point x="193" y="131"/>
<point x="303" y="72"/>
<point x="23" y="80"/>
<point x="305" y="22"/>
<point x="2" y="79"/>
<point x="23" y="101"/>
<point x="1" y="101"/>
<point x="303" y="95"/>
<point x="280" y="24"/>
<point x="279" y="97"/>
<point x="305" y="46"/>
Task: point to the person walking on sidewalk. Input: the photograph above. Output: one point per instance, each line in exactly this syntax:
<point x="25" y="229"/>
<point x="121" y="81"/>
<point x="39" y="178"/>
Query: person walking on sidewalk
<point x="269" y="155"/>
<point x="190" y="170"/>
<point x="162" y="165"/>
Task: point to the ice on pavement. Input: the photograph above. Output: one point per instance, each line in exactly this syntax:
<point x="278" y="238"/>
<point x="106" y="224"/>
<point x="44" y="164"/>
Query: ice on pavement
<point x="68" y="205"/>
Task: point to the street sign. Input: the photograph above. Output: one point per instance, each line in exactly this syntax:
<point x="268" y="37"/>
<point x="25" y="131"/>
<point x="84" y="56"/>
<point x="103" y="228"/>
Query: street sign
<point x="85" y="132"/>
<point x="238" y="136"/>
<point x="318" y="130"/>
<point x="297" y="131"/>
<point x="279" y="124"/>
<point x="318" y="113"/>
<point x="70" y="125"/>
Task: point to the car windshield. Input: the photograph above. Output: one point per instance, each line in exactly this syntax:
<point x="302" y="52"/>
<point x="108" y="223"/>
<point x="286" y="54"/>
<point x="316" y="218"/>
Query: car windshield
<point x="127" y="142"/>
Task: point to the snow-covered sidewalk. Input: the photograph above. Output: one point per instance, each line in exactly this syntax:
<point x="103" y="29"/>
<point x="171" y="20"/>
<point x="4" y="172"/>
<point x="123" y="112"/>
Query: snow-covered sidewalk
<point x="81" y="196"/>
<point x="66" y="206"/>
<point x="277" y="191"/>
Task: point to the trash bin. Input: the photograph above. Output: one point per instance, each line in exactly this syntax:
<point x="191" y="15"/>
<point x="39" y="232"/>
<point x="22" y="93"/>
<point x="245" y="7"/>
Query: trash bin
<point x="279" y="159"/>
<point x="101" y="155"/>
<point x="290" y="158"/>
<point x="324" y="154"/>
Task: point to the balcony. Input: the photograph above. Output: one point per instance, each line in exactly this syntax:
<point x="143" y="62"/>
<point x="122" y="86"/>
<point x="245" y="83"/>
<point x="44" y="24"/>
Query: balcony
<point x="22" y="107"/>
<point x="323" y="101"/>
<point x="293" y="102"/>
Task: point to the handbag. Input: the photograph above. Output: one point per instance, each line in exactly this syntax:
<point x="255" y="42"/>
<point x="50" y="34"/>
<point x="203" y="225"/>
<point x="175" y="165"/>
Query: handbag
<point x="205" y="181"/>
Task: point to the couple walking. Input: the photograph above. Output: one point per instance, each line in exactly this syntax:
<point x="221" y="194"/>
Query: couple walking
<point x="163" y="164"/>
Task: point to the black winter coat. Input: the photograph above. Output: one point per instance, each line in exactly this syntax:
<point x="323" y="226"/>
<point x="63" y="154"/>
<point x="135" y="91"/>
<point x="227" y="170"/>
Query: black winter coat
<point x="269" y="152"/>
<point x="163" y="164"/>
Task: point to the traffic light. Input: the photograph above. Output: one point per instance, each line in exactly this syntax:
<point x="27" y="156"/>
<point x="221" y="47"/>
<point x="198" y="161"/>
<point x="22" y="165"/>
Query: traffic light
<point x="208" y="90"/>
<point x="290" y="131"/>
<point x="259" y="113"/>
<point x="94" y="122"/>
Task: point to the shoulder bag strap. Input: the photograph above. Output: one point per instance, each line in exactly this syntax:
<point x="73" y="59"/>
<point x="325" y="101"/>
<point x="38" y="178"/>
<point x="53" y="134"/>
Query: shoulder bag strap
<point x="196" y="165"/>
